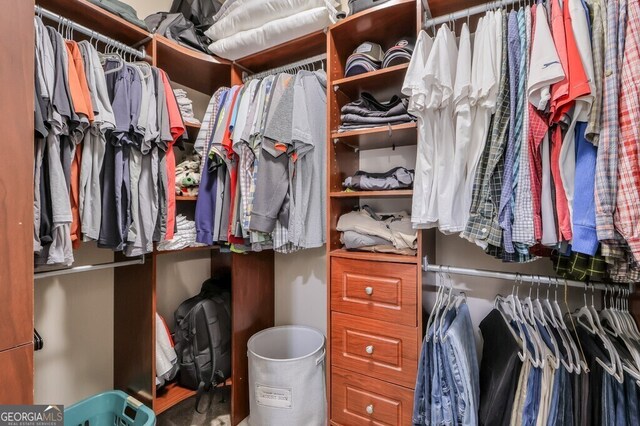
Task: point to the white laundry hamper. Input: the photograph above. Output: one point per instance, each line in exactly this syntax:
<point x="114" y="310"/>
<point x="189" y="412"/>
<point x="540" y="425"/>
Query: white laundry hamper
<point x="287" y="377"/>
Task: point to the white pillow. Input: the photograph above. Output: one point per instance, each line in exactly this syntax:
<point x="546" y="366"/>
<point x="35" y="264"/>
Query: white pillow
<point x="245" y="15"/>
<point x="271" y="34"/>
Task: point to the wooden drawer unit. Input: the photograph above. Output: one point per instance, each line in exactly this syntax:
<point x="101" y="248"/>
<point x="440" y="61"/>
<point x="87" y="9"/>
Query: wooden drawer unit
<point x="377" y="290"/>
<point x="375" y="348"/>
<point x="360" y="400"/>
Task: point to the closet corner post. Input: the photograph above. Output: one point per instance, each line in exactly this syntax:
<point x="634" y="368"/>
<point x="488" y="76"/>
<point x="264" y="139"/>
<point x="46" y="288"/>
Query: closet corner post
<point x="134" y="305"/>
<point x="252" y="310"/>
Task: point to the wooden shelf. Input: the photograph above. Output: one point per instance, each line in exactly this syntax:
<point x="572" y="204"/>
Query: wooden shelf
<point x="374" y="257"/>
<point x="382" y="83"/>
<point x="96" y="18"/>
<point x="379" y="137"/>
<point x="186" y="198"/>
<point x="184" y="250"/>
<point x="297" y="49"/>
<point x="372" y="194"/>
<point x="196" y="70"/>
<point x="173" y="394"/>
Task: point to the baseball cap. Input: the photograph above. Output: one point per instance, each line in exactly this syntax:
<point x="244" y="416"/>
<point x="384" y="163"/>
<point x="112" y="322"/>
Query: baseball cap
<point x="366" y="57"/>
<point x="399" y="53"/>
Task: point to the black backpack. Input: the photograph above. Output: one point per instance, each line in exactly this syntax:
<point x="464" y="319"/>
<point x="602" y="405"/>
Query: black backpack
<point x="203" y="337"/>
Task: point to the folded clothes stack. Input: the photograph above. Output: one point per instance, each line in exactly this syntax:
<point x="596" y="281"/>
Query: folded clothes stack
<point x="396" y="178"/>
<point x="186" y="107"/>
<point x="365" y="230"/>
<point x="369" y="56"/>
<point x="188" y="176"/>
<point x="368" y="112"/>
<point x="185" y="236"/>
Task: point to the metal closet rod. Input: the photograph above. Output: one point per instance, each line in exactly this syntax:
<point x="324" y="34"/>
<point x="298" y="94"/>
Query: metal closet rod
<point x="285" y="68"/>
<point x="465" y="13"/>
<point x="507" y="276"/>
<point x="89" y="32"/>
<point x="87" y="268"/>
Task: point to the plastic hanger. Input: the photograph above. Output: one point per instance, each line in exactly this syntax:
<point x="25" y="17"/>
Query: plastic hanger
<point x="538" y="313"/>
<point x="558" y="325"/>
<point x="436" y="306"/>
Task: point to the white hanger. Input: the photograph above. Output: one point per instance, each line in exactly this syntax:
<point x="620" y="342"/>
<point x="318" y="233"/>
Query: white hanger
<point x="559" y="326"/>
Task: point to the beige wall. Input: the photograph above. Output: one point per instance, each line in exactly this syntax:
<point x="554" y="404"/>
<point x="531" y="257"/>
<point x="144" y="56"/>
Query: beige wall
<point x="74" y="316"/>
<point x="147" y="7"/>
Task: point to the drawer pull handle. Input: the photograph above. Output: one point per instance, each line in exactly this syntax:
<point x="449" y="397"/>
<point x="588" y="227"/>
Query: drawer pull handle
<point x="369" y="349"/>
<point x="368" y="290"/>
<point x="369" y="409"/>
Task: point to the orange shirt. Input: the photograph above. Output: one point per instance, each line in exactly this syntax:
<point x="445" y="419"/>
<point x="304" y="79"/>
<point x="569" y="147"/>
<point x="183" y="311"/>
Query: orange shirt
<point x="177" y="129"/>
<point x="81" y="99"/>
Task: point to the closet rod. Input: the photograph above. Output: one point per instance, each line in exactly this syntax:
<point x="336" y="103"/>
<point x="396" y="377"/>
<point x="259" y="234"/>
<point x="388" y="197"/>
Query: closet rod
<point x="87" y="268"/>
<point x="507" y="276"/>
<point x="91" y="33"/>
<point x="465" y="13"/>
<point x="247" y="77"/>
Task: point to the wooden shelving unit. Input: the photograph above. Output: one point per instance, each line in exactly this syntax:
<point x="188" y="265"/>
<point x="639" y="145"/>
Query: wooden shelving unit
<point x="135" y="290"/>
<point x="375" y="296"/>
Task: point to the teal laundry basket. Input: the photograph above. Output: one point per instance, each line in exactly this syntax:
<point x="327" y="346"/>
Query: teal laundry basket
<point x="113" y="408"/>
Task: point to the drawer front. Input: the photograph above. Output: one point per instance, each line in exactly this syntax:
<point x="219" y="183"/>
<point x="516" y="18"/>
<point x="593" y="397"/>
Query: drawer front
<point x="375" y="348"/>
<point x="360" y="400"/>
<point x="377" y="290"/>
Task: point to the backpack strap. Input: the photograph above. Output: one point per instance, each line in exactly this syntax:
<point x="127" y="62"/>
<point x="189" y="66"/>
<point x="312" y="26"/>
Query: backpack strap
<point x="209" y="385"/>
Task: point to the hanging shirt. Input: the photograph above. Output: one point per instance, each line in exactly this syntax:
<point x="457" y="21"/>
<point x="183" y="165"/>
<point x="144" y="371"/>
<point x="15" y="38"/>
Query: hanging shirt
<point x="207" y="193"/>
<point x="545" y="70"/>
<point x="483" y="223"/>
<point x="627" y="213"/>
<point x="516" y="64"/>
<point x="598" y="29"/>
<point x="484" y="82"/>
<point x="607" y="159"/>
<point x="523" y="230"/>
<point x="458" y="205"/>
<point x="581" y="78"/>
<point x="414" y="86"/>
<point x="177" y="130"/>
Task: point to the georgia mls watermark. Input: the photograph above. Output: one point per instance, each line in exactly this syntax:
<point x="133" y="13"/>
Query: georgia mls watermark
<point x="31" y="415"/>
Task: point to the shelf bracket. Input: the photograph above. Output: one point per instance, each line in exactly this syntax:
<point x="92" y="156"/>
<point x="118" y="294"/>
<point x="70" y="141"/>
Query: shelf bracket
<point x="338" y="140"/>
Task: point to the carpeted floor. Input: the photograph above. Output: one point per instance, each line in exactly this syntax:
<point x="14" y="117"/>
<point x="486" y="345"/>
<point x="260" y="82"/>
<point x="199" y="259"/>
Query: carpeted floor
<point x="185" y="414"/>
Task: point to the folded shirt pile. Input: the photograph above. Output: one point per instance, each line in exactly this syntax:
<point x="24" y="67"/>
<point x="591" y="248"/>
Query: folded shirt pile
<point x="186" y="107"/>
<point x="368" y="112"/>
<point x="369" y="56"/>
<point x="188" y="176"/>
<point x="366" y="230"/>
<point x="185" y="236"/>
<point x="396" y="178"/>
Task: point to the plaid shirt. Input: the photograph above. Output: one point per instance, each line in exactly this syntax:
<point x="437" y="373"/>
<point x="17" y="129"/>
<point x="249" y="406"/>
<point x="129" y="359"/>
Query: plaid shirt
<point x="505" y="212"/>
<point x="607" y="160"/>
<point x="523" y="232"/>
<point x="598" y="25"/>
<point x="627" y="212"/>
<point x="208" y="125"/>
<point x="537" y="130"/>
<point x="483" y="219"/>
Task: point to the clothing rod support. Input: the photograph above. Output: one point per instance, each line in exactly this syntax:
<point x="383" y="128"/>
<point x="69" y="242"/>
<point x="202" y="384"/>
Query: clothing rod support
<point x="87" y="268"/>
<point x="285" y="68"/>
<point x="89" y="32"/>
<point x="507" y="276"/>
<point x="464" y="13"/>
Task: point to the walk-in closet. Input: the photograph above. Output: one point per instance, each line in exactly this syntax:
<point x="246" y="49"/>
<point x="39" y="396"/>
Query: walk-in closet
<point x="320" y="212"/>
